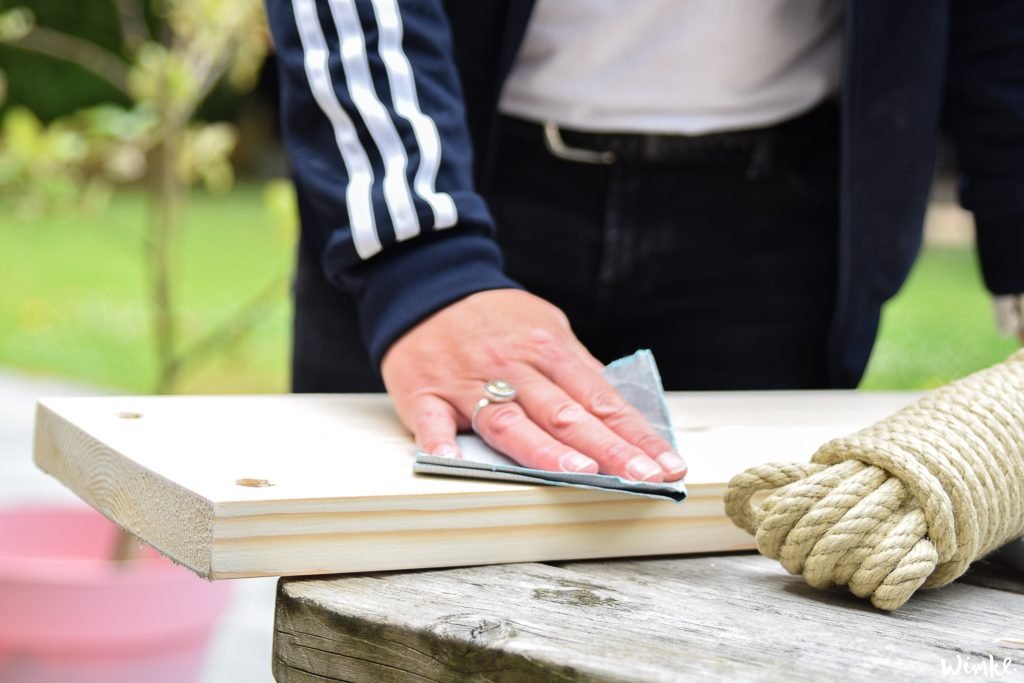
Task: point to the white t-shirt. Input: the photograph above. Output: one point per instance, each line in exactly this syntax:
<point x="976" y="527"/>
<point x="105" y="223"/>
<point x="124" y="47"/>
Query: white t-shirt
<point x="675" y="66"/>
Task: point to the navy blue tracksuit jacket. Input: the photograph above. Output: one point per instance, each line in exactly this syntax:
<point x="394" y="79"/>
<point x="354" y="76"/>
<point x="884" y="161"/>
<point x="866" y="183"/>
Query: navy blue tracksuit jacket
<point x="386" y="102"/>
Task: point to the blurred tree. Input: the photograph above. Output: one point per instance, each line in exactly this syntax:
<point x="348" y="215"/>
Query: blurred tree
<point x="168" y="57"/>
<point x="69" y="86"/>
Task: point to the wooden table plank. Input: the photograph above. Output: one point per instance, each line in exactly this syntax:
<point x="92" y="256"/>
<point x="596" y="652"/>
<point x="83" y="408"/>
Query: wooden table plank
<point x="723" y="618"/>
<point x="336" y="492"/>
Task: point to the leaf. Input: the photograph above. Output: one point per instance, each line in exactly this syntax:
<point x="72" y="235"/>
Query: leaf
<point x="22" y="132"/>
<point x="280" y="202"/>
<point x="162" y="79"/>
<point x="125" y="163"/>
<point x="16" y="23"/>
<point x="117" y="123"/>
<point x="205" y="154"/>
<point x="64" y="146"/>
<point x="217" y="177"/>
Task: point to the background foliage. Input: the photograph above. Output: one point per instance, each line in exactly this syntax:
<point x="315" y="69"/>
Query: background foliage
<point x="52" y="88"/>
<point x="164" y="60"/>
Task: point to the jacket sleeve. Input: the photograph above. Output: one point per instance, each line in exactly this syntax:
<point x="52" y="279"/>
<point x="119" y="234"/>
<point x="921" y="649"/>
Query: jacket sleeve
<point x="374" y="125"/>
<point x="984" y="113"/>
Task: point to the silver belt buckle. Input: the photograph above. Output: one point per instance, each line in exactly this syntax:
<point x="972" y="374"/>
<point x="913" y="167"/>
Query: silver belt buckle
<point x="556" y="145"/>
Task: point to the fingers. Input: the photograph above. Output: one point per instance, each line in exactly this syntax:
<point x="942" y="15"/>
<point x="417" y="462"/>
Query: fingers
<point x="506" y="428"/>
<point x="587" y="358"/>
<point x="546" y="428"/>
<point x="433" y="421"/>
<point x="567" y="421"/>
<point x="599" y="398"/>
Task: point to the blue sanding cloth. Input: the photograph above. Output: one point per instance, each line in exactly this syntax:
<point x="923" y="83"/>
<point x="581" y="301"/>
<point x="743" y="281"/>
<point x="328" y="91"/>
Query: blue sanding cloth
<point x="637" y="380"/>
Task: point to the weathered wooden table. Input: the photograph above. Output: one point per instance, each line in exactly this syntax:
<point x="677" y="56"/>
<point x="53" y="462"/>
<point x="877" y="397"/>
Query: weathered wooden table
<point x="723" y="617"/>
<point x="283" y="485"/>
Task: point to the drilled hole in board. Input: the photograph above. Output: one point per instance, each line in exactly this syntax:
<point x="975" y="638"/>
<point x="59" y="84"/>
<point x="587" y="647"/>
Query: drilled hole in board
<point x="253" y="483"/>
<point x="129" y="415"/>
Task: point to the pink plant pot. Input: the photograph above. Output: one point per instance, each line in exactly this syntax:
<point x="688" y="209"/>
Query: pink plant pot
<point x="70" y="614"/>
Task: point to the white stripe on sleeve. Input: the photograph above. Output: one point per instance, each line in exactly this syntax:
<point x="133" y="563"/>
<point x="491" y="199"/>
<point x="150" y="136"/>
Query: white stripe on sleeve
<point x="403" y="92"/>
<point x="357" y="195"/>
<point x="378" y="121"/>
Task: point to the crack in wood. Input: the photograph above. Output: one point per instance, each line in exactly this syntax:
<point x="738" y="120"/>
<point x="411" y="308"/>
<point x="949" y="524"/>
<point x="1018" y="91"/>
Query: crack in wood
<point x="373" y="662"/>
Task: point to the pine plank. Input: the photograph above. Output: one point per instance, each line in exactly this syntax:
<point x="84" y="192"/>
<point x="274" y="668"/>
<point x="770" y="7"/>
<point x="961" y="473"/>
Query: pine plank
<point x="735" y="617"/>
<point x="336" y="493"/>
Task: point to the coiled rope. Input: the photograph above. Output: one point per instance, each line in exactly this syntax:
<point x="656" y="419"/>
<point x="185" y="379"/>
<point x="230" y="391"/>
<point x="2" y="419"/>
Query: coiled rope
<point x="909" y="501"/>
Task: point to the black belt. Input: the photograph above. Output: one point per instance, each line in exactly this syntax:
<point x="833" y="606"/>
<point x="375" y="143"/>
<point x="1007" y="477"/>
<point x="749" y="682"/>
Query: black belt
<point x="609" y="148"/>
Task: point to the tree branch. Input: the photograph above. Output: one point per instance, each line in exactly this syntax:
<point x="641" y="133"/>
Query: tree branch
<point x="234" y="328"/>
<point x="134" y="31"/>
<point x="210" y="70"/>
<point x="84" y="53"/>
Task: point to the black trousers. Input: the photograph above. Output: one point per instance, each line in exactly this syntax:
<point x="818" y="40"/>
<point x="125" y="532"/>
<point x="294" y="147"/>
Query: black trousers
<point x="722" y="263"/>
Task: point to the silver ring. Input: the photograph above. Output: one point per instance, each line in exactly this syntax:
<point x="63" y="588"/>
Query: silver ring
<point x="495" y="391"/>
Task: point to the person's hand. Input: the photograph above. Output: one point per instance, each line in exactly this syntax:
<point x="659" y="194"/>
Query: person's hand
<point x="566" y="417"/>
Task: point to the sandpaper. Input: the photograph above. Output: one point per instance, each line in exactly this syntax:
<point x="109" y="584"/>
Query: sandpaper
<point x="636" y="378"/>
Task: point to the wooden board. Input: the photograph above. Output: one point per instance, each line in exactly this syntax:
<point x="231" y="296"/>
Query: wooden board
<point x="338" y="493"/>
<point x="720" y="618"/>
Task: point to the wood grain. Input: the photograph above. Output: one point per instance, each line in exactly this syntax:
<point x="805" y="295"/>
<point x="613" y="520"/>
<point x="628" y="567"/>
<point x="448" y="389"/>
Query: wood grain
<point x="290" y="485"/>
<point x="160" y="512"/>
<point x="737" y="617"/>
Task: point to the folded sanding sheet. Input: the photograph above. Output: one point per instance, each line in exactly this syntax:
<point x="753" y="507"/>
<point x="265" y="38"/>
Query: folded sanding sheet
<point x="637" y="379"/>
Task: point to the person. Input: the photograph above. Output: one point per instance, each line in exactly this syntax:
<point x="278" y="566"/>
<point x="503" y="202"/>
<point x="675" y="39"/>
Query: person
<point x="522" y="190"/>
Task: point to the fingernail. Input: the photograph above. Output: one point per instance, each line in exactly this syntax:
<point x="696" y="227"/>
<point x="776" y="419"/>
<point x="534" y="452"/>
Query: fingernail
<point x="643" y="469"/>
<point x="577" y="462"/>
<point x="447" y="450"/>
<point x="671" y="462"/>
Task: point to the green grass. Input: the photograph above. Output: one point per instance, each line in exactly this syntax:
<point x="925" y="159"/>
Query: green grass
<point x="73" y="302"/>
<point x="939" y="327"/>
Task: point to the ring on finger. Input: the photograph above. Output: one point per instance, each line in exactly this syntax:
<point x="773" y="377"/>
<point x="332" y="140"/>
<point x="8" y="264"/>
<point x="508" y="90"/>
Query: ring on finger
<point x="495" y="391"/>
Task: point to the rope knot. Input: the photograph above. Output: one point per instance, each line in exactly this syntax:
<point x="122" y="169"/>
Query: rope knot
<point x="910" y="501"/>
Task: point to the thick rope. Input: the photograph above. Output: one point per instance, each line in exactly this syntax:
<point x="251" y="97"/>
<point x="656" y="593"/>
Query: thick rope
<point x="908" y="502"/>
